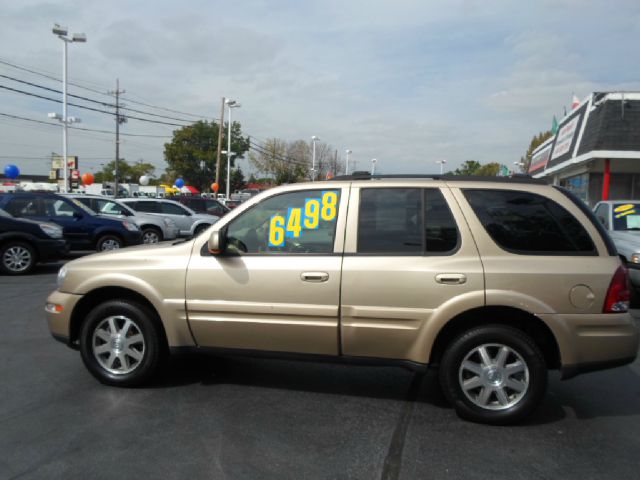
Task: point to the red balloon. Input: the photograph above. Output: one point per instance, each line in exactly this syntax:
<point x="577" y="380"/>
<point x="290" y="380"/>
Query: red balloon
<point x="87" y="179"/>
<point x="215" y="187"/>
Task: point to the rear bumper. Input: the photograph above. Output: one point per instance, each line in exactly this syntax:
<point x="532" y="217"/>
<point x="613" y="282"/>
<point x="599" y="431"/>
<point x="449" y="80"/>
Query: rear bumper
<point x="593" y="342"/>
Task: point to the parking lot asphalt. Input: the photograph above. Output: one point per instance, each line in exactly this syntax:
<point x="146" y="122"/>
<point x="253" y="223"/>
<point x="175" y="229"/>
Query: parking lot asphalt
<point x="260" y="419"/>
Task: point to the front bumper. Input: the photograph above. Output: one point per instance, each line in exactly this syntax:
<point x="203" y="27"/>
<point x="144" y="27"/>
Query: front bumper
<point x="52" y="250"/>
<point x="593" y="342"/>
<point x="59" y="319"/>
<point x="132" y="238"/>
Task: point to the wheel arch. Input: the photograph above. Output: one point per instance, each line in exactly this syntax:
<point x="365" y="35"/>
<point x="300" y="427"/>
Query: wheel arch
<point x="501" y="315"/>
<point x="104" y="294"/>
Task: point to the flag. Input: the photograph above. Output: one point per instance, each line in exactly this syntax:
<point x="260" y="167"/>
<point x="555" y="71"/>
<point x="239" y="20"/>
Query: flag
<point x="554" y="125"/>
<point x="575" y="102"/>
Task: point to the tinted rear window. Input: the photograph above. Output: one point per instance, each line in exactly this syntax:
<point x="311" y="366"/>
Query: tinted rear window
<point x="528" y="223"/>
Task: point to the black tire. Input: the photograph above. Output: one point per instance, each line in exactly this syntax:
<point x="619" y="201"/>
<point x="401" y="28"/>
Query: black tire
<point x="199" y="229"/>
<point x="151" y="235"/>
<point x="490" y="394"/>
<point x="109" y="242"/>
<point x="17" y="257"/>
<point x="106" y="352"/>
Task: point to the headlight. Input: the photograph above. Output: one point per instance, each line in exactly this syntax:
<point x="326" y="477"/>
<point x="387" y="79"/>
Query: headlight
<point x="52" y="231"/>
<point x="62" y="274"/>
<point x="635" y="258"/>
<point x="132" y="227"/>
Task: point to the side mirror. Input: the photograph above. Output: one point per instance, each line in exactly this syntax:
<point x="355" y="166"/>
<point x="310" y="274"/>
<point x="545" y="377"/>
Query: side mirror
<point x="216" y="243"/>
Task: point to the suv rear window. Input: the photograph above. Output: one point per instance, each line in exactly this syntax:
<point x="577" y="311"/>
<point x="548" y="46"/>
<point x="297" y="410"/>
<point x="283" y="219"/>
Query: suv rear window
<point x="405" y="221"/>
<point x="527" y="223"/>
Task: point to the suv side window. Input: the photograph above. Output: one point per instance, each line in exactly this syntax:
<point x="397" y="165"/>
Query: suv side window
<point x="146" y="206"/>
<point x="22" y="206"/>
<point x="410" y="221"/>
<point x="110" y="208"/>
<point x="301" y="222"/>
<point x="55" y="207"/>
<point x="171" y="209"/>
<point x="529" y="224"/>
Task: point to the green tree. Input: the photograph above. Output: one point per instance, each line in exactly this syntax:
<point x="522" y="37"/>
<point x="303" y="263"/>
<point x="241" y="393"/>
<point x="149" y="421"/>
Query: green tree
<point x="237" y="180"/>
<point x="470" y="167"/>
<point x="489" y="170"/>
<point x="536" y="141"/>
<point x="191" y="154"/>
<point x="126" y="173"/>
<point x="285" y="163"/>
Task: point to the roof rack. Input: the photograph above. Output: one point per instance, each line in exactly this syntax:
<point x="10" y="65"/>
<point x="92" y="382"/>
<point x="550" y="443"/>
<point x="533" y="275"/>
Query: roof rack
<point x="516" y="178"/>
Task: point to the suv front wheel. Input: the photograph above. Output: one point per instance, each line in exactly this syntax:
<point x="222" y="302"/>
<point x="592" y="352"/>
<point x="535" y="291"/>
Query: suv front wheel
<point x="120" y="343"/>
<point x="493" y="374"/>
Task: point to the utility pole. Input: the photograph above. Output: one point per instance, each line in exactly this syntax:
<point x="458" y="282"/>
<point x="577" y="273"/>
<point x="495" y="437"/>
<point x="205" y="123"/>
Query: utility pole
<point x="119" y="119"/>
<point x="220" y="128"/>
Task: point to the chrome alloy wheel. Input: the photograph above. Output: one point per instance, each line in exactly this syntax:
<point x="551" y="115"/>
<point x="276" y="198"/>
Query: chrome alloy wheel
<point x="150" y="236"/>
<point x="17" y="258"/>
<point x="118" y="345"/>
<point x="494" y="376"/>
<point x="110" y="244"/>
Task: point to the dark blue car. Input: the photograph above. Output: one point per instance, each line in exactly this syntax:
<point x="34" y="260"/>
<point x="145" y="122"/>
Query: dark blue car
<point x="83" y="228"/>
<point x="23" y="243"/>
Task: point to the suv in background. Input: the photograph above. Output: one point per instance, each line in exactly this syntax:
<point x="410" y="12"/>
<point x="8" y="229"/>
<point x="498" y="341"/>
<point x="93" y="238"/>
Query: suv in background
<point x="202" y="205"/>
<point x="154" y="228"/>
<point x="82" y="227"/>
<point x="189" y="222"/>
<point x="23" y="243"/>
<point x="621" y="218"/>
<point x="491" y="282"/>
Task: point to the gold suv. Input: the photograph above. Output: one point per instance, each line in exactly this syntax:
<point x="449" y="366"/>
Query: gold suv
<point x="492" y="282"/>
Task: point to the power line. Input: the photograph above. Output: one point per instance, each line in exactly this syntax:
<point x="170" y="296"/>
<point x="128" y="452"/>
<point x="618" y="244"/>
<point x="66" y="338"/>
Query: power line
<point x="89" y="108"/>
<point x="51" y="77"/>
<point x="17" y="117"/>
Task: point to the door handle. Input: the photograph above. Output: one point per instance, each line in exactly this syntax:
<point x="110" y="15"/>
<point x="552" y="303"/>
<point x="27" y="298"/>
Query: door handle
<point x="315" y="277"/>
<point x="451" y="278"/>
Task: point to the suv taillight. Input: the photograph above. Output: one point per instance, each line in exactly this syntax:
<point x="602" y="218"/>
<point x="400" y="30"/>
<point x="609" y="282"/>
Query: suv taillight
<point x="617" y="300"/>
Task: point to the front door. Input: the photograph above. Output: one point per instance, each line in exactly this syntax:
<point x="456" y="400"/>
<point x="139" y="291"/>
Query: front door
<point x="276" y="287"/>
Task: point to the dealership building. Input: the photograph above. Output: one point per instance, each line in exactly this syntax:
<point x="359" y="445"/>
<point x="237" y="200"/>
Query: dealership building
<point x="596" y="150"/>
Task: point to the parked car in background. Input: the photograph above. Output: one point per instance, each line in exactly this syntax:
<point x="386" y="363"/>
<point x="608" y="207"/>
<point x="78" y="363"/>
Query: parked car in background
<point x="189" y="222"/>
<point x="23" y="243"/>
<point x="83" y="228"/>
<point x="621" y="218"/>
<point x="202" y="205"/>
<point x="154" y="228"/>
<point x="231" y="204"/>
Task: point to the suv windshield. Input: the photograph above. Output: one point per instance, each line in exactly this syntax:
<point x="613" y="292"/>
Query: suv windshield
<point x="626" y="216"/>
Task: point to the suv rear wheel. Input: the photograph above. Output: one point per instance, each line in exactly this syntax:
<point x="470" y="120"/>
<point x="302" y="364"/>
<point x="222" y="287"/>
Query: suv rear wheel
<point x="493" y="374"/>
<point x="17" y="258"/>
<point x="120" y="343"/>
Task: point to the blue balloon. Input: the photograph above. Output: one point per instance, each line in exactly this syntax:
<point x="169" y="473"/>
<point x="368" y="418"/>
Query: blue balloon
<point x="11" y="171"/>
<point x="179" y="183"/>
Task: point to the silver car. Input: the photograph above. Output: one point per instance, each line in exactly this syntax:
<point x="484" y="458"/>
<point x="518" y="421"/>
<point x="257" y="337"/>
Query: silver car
<point x="189" y="222"/>
<point x="154" y="228"/>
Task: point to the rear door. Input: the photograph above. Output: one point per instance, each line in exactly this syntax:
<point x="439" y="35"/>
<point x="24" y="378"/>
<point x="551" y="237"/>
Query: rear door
<point x="410" y="264"/>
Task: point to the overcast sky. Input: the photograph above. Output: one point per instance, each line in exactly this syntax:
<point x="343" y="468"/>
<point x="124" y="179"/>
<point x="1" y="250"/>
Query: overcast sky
<point x="407" y="82"/>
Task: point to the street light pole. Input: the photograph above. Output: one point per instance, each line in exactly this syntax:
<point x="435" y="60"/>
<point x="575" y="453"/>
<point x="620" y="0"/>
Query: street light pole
<point x="373" y="166"/>
<point x="441" y="162"/>
<point x="230" y="104"/>
<point x="313" y="159"/>
<point x="62" y="33"/>
<point x="346" y="165"/>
